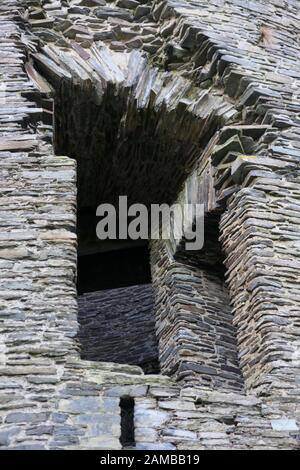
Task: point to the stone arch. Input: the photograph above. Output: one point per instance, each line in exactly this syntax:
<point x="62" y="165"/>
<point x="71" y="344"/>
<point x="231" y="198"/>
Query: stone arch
<point x="215" y="63"/>
<point x="55" y="400"/>
<point x="104" y="98"/>
<point x="140" y="131"/>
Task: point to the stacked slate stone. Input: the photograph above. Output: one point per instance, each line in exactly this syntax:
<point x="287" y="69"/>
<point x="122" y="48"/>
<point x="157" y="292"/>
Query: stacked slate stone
<point x="144" y="142"/>
<point x="87" y="21"/>
<point x="197" y="342"/>
<point x="212" y="63"/>
<point x="117" y="325"/>
<point x="38" y="315"/>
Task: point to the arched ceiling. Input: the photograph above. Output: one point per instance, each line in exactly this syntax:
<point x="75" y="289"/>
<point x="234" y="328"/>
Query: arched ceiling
<point x="133" y="129"/>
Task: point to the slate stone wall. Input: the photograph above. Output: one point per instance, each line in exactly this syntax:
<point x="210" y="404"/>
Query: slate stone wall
<point x="194" y="321"/>
<point x="236" y="86"/>
<point x="262" y="261"/>
<point x="118" y="325"/>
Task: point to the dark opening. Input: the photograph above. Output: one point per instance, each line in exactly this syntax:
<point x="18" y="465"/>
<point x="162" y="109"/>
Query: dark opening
<point x="127" y="438"/>
<point x="115" y="298"/>
<point x="116" y="305"/>
<point x="121" y="149"/>
<point x="113" y="269"/>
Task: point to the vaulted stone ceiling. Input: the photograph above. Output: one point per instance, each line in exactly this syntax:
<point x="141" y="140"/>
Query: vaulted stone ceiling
<point x="133" y="129"/>
<point x="111" y="113"/>
<point x="138" y="115"/>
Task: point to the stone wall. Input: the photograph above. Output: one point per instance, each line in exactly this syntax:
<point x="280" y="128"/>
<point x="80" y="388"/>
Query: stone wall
<point x="197" y="341"/>
<point x="117" y="325"/>
<point x="243" y="73"/>
<point x="263" y="275"/>
<point x="37" y="251"/>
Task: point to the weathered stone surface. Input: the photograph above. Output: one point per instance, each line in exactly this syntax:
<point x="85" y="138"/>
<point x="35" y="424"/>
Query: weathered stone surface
<point x="118" y="325"/>
<point x="26" y="417"/>
<point x="196" y="333"/>
<point x="199" y="80"/>
<point x="284" y="425"/>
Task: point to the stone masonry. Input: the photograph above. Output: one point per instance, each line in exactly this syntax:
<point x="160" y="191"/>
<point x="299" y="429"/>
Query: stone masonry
<point x="162" y="100"/>
<point x="118" y="325"/>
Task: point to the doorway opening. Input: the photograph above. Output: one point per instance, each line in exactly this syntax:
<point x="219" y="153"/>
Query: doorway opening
<point x="129" y="146"/>
<point x="116" y="307"/>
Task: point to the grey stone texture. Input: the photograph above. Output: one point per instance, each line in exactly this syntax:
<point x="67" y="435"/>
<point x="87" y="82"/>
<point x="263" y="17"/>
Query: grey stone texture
<point x="197" y="339"/>
<point x="219" y="81"/>
<point x="118" y="325"/>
